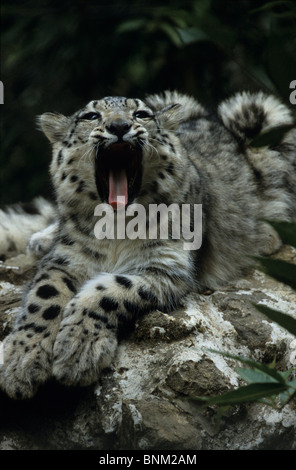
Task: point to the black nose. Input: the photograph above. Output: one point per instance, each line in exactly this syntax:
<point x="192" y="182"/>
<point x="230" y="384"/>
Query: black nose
<point x="119" y="127"/>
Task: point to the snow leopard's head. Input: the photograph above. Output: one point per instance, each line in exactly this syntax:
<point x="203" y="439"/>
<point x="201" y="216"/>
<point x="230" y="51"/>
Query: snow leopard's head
<point x="113" y="147"/>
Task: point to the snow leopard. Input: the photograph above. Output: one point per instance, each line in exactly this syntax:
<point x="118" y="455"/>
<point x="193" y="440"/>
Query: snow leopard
<point x="164" y="149"/>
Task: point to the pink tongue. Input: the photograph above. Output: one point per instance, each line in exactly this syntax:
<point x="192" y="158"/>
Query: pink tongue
<point x="118" y="188"/>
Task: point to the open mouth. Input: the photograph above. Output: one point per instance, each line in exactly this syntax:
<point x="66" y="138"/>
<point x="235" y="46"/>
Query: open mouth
<point x="118" y="173"/>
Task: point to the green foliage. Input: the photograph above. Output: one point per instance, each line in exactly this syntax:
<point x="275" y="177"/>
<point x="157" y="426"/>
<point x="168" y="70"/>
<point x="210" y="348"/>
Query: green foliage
<point x="55" y="56"/>
<point x="272" y="137"/>
<point x="286" y="230"/>
<point x="282" y="319"/>
<point x="280" y="270"/>
<point x="264" y="383"/>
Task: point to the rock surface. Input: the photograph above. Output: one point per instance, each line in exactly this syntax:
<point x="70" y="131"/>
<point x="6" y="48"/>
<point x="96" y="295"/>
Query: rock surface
<point x="142" y="402"/>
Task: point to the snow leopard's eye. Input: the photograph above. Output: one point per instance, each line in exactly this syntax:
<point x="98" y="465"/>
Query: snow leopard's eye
<point x="142" y="114"/>
<point x="90" y="116"/>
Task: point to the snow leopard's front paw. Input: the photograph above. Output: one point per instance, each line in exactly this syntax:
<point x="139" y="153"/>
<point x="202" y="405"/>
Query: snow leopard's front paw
<point x="26" y="365"/>
<point x="85" y="345"/>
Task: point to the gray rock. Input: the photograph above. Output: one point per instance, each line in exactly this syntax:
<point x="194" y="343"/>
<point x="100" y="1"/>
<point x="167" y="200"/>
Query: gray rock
<point x="143" y="402"/>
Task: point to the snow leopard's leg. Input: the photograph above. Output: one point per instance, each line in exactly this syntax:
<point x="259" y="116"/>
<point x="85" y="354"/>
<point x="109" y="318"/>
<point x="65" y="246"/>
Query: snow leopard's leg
<point x="28" y="349"/>
<point x="88" y="336"/>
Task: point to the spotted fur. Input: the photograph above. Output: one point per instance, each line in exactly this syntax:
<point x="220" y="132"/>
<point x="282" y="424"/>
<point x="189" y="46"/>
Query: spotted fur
<point x="86" y="291"/>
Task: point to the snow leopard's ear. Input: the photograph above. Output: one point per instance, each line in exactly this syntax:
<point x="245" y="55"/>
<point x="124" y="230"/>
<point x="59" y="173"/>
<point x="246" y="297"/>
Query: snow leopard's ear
<point x="54" y="125"/>
<point x="170" y="116"/>
<point x="173" y="107"/>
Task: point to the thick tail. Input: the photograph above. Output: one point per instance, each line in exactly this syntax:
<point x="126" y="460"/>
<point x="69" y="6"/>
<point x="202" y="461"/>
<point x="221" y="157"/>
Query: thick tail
<point x="19" y="222"/>
<point x="248" y="114"/>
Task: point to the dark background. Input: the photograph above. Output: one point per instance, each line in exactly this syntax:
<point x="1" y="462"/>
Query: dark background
<point x="58" y="55"/>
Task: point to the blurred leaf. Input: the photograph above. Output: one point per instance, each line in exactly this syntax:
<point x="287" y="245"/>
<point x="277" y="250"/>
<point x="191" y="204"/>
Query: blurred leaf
<point x="292" y="383"/>
<point x="277" y="376"/>
<point x="172" y="33"/>
<point x="258" y="74"/>
<point x="280" y="59"/>
<point x="190" y="35"/>
<point x="282" y="319"/>
<point x="263" y="382"/>
<point x="131" y="25"/>
<point x="279" y="269"/>
<point x="286" y="230"/>
<point x="271" y="5"/>
<point x="179" y="17"/>
<point x="252" y="376"/>
<point x="285" y="396"/>
<point x="247" y="393"/>
<point x="271" y="138"/>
